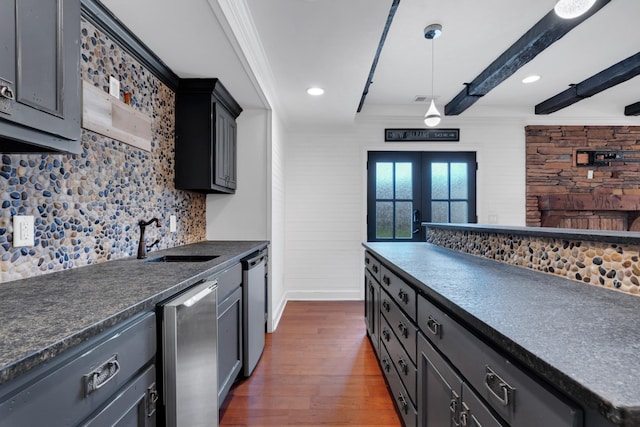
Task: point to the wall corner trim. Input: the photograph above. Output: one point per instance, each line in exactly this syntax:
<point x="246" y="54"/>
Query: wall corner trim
<point x="102" y="18"/>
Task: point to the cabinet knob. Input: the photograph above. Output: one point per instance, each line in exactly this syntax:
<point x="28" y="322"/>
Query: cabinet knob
<point x="386" y="306"/>
<point x="386" y="280"/>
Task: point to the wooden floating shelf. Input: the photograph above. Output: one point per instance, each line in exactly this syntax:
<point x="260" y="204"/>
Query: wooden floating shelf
<point x="109" y="116"/>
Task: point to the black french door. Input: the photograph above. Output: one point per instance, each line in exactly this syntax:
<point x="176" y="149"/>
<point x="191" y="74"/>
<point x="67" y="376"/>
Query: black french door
<point x="407" y="188"/>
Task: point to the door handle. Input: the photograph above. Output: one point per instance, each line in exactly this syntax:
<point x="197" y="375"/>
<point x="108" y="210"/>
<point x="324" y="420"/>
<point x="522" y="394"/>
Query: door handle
<point x="416" y="220"/>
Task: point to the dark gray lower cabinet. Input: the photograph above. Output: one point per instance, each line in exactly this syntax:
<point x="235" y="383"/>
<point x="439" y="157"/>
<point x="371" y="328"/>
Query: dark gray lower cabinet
<point x="446" y="400"/>
<point x="372" y="309"/>
<point x="229" y="342"/>
<point x="441" y="374"/>
<point x="108" y="380"/>
<point x="135" y="405"/>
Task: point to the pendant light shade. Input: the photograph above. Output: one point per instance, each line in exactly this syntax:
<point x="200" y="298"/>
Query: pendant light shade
<point x="569" y="9"/>
<point x="432" y="118"/>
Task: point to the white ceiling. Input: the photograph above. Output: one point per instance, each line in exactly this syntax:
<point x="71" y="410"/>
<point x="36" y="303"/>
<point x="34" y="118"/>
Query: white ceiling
<point x="271" y="51"/>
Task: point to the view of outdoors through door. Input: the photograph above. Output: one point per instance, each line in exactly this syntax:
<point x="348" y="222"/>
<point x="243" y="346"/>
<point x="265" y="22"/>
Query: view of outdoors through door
<point x="407" y="188"/>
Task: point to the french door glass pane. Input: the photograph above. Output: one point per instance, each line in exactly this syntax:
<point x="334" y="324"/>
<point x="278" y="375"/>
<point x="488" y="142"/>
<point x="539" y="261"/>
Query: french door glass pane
<point x="384" y="180"/>
<point x="404" y="180"/>
<point x="459" y="212"/>
<point x="384" y="220"/>
<point x="404" y="220"/>
<point x="459" y="181"/>
<point x="439" y="180"/>
<point x="439" y="211"/>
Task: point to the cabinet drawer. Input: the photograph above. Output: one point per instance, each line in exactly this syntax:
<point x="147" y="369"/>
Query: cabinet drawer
<point x="372" y="265"/>
<point x="133" y="406"/>
<point x="474" y="412"/>
<point x="400" y="291"/>
<point x="404" y="366"/>
<point x="403" y="328"/>
<point x="401" y="398"/>
<point x="228" y="281"/>
<point x="65" y="393"/>
<point x="514" y="395"/>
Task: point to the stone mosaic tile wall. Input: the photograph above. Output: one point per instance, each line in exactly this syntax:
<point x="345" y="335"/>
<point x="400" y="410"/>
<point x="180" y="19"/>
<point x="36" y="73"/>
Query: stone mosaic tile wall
<point x="87" y="206"/>
<point x="601" y="264"/>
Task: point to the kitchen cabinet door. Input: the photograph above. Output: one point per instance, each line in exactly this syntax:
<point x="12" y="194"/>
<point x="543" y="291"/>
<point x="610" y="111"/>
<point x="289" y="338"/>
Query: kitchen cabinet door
<point x="229" y="342"/>
<point x="206" y="137"/>
<point x="40" y="75"/>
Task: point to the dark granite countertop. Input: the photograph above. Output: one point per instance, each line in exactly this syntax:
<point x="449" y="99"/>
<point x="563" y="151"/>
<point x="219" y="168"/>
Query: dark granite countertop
<point x="606" y="236"/>
<point x="582" y="339"/>
<point x="43" y="316"/>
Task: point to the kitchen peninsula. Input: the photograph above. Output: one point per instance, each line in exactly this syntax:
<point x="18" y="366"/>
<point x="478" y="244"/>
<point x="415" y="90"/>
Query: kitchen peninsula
<point x="538" y="323"/>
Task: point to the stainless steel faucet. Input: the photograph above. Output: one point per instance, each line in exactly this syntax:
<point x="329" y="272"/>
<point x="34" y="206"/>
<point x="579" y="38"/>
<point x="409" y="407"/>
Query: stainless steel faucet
<point x="142" y="244"/>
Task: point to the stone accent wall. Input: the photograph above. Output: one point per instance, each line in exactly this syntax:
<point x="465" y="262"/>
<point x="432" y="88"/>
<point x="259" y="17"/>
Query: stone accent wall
<point x="87" y="206"/>
<point x="601" y="264"/>
<point x="551" y="169"/>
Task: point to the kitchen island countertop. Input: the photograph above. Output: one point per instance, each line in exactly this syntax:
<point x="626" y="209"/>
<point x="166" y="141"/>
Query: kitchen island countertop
<point x="582" y="339"/>
<point x="43" y="316"/>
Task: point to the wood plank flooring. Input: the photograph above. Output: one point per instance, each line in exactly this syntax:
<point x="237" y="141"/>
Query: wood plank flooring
<point x="318" y="369"/>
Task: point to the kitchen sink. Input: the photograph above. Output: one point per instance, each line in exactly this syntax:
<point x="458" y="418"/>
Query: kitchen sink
<point x="183" y="258"/>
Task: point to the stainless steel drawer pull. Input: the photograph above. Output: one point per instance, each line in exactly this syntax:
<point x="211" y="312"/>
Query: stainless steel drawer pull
<point x="403" y="330"/>
<point x="101" y="375"/>
<point x="464" y="418"/>
<point x="6" y="92"/>
<point x="403" y="296"/>
<point x="403" y="366"/>
<point x="500" y="389"/>
<point x="434" y="326"/>
<point x="404" y="406"/>
<point x="385" y="363"/>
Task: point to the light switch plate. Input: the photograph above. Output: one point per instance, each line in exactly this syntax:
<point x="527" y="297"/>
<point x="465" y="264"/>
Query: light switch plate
<point x="114" y="87"/>
<point x="23" y="231"/>
<point x="173" y="225"/>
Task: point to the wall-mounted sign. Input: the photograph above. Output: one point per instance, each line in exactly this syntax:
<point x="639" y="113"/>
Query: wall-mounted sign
<point x="422" y="134"/>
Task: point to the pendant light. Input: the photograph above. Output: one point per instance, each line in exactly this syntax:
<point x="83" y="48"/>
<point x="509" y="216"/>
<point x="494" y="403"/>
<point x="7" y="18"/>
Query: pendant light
<point x="433" y="117"/>
<point x="569" y="9"/>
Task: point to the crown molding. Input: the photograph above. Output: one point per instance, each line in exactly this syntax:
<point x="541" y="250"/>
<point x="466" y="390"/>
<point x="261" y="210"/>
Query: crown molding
<point x="240" y="29"/>
<point x="100" y="17"/>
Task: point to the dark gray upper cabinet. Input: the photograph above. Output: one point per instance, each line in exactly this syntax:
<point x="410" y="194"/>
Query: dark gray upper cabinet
<point x="40" y="76"/>
<point x="205" y="149"/>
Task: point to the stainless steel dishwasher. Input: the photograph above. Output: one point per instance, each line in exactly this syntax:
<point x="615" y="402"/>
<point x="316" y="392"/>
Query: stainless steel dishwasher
<point x="190" y="353"/>
<point x="254" y="307"/>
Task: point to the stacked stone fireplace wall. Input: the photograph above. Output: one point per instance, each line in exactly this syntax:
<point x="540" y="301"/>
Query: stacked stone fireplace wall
<point x="552" y="171"/>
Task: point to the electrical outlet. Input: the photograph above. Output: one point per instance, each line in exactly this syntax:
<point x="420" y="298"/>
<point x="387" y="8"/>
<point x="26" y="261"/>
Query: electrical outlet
<point x="23" y="231"/>
<point x="590" y="174"/>
<point x="114" y="87"/>
<point x="173" y="226"/>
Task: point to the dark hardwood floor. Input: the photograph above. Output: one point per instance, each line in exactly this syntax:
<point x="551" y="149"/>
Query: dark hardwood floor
<point x="318" y="369"/>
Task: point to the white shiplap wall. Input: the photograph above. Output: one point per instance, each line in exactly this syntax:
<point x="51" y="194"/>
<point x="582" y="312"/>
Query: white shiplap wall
<point x="326" y="196"/>
<point x="276" y="221"/>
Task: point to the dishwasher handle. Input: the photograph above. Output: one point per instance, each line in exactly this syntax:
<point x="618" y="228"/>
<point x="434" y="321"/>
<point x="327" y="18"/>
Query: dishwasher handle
<point x="249" y="263"/>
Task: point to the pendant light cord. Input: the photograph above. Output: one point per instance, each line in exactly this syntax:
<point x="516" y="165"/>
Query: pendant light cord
<point x="433" y="45"/>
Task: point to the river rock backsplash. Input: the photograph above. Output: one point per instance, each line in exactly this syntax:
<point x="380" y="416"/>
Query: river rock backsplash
<point x="601" y="264"/>
<point x="87" y="206"/>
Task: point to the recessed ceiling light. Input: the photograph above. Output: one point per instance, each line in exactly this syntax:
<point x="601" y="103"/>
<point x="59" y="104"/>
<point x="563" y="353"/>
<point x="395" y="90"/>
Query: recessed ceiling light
<point x="531" y="79"/>
<point x="315" y="91"/>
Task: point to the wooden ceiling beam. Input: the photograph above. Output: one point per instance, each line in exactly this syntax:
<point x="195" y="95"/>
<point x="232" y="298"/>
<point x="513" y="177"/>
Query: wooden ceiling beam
<point x="542" y="35"/>
<point x="612" y="76"/>
<point x="632" y="109"/>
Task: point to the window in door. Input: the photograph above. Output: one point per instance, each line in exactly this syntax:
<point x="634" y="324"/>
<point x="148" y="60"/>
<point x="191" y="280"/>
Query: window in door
<point x="406" y="188"/>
